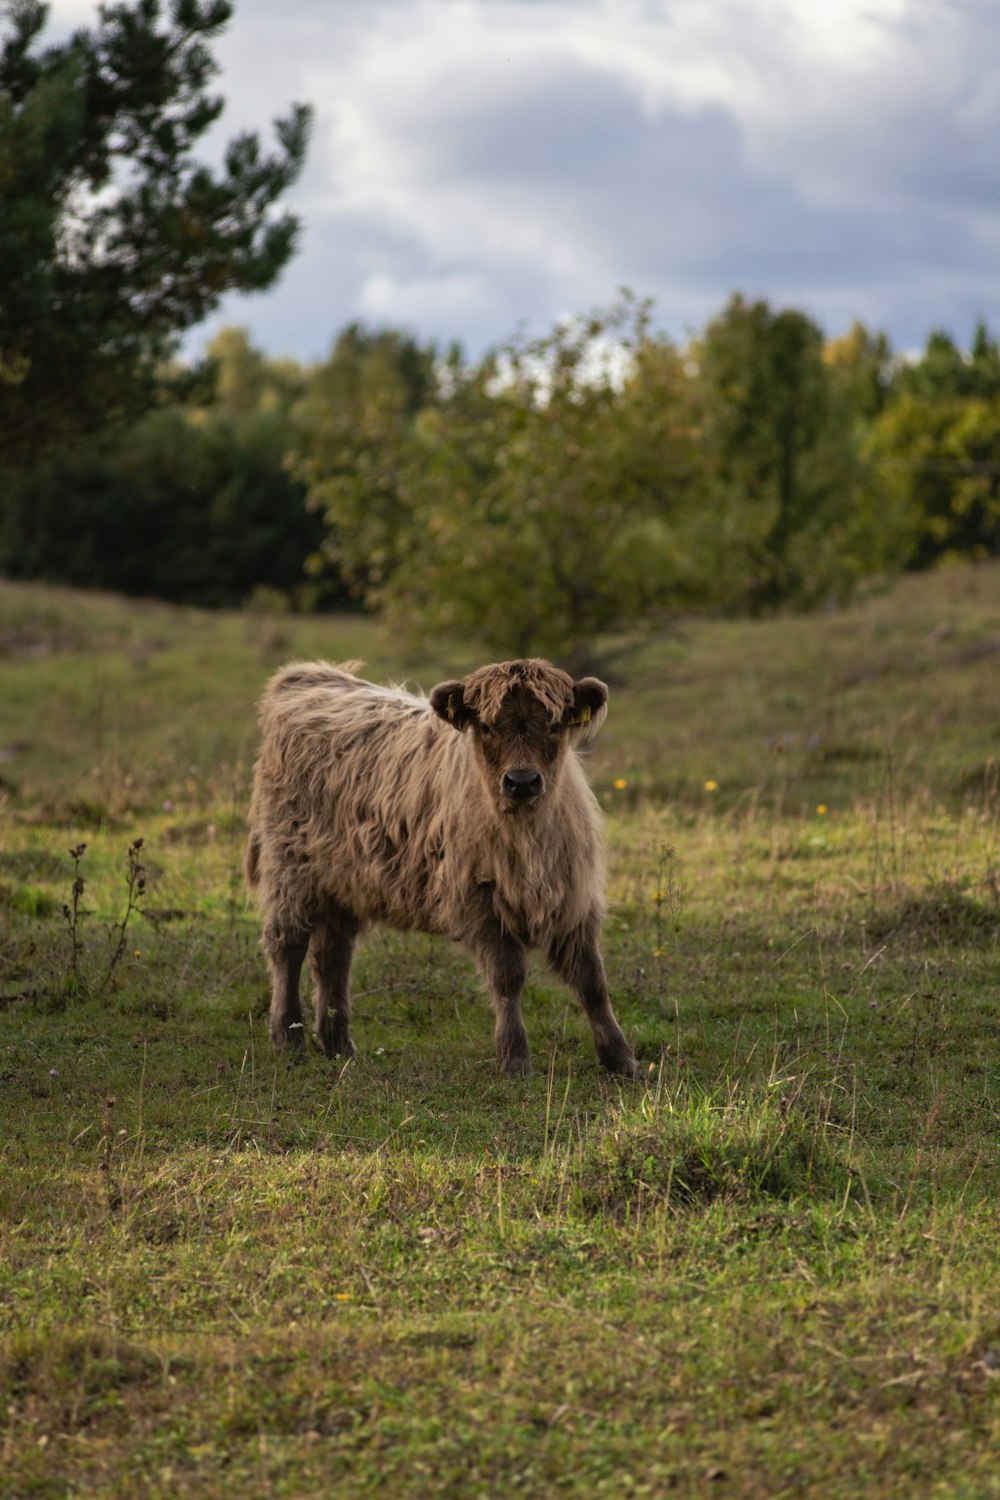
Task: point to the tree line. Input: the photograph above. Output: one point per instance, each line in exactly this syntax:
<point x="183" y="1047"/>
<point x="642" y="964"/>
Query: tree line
<point x="554" y="490"/>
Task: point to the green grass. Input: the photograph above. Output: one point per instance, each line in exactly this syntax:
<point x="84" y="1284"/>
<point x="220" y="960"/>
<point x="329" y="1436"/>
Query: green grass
<point x="772" y="1271"/>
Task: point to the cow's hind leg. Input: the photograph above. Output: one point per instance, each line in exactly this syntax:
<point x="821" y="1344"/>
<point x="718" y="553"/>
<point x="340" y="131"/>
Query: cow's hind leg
<point x="505" y="968"/>
<point x="577" y="960"/>
<point x="330" y="953"/>
<point x="286" y="951"/>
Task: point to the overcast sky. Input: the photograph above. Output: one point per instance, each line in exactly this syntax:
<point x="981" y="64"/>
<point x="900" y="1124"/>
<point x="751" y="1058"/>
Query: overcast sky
<point x="481" y="163"/>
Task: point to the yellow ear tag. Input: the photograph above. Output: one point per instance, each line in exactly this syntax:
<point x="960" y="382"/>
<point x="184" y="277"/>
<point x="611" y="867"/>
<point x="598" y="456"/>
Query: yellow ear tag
<point x="584" y="718"/>
<point x="451" y="707"/>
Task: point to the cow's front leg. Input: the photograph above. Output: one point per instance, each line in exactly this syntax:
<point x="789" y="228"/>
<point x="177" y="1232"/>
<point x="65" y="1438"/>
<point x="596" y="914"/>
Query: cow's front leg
<point x="330" y="954"/>
<point x="577" y="960"/>
<point x="504" y="966"/>
<point x="286" y="953"/>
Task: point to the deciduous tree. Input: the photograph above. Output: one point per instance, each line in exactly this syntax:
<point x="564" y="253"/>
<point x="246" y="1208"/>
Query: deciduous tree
<point x="533" y="501"/>
<point x="785" y="449"/>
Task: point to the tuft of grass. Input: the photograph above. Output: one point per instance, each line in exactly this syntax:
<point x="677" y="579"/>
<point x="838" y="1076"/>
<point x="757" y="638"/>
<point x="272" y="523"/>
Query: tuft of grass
<point x="947" y="912"/>
<point x="696" y="1147"/>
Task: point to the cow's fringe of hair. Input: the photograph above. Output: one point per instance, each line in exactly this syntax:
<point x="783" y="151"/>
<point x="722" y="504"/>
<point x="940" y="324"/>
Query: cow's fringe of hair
<point x="486" y="690"/>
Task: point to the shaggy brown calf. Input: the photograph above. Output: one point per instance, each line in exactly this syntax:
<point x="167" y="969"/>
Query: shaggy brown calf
<point x="465" y="814"/>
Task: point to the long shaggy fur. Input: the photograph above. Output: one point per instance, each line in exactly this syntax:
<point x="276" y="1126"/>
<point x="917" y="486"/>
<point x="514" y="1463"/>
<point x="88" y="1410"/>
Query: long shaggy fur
<point x="370" y="806"/>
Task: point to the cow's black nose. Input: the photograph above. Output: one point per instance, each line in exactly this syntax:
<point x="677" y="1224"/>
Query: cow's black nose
<point x="522" y="784"/>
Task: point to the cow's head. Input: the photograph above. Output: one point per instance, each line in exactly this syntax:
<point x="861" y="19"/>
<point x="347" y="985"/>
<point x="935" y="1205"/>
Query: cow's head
<point x="523" y="715"/>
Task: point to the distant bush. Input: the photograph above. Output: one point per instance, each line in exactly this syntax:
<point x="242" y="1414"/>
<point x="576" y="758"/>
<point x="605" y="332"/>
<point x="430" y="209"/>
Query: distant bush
<point x="194" y="511"/>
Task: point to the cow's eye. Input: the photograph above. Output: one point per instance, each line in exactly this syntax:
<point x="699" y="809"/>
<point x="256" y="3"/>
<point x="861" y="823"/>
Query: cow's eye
<point x="485" y="729"/>
<point x="555" y="730"/>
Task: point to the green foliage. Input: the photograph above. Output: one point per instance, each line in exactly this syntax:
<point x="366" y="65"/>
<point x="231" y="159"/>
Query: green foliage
<point x="194" y="504"/>
<point x="936" y="447"/>
<point x="598" y="478"/>
<point x="199" y="512"/>
<point x="361" y="453"/>
<point x="940" y="460"/>
<point x="244" y="383"/>
<point x="113" y="238"/>
<point x="781" y="435"/>
<point x="583" y="517"/>
<point x="535" y="500"/>
<point x="862" y="368"/>
<point x="945" y="372"/>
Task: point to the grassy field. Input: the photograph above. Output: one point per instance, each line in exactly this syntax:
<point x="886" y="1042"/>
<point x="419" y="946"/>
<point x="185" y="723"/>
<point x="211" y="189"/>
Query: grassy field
<point x="771" y="1271"/>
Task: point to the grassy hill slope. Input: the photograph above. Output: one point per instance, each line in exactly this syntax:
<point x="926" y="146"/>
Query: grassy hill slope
<point x="770" y="1271"/>
<point x="790" y="708"/>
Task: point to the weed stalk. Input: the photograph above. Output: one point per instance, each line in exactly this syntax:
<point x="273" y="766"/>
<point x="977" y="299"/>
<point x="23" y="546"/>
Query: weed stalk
<point x="73" y="911"/>
<point x="135" y="887"/>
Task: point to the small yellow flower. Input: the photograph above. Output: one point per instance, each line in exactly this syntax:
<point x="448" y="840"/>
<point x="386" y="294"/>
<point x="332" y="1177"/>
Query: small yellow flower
<point x="341" y="1296"/>
<point x="138" y="953"/>
<point x="711" y="786"/>
<point x="658" y="896"/>
<point x="620" y="784"/>
<point x="822" y="809"/>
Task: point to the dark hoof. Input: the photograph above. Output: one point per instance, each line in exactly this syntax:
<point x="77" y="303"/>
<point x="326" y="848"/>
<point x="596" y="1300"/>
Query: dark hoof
<point x="625" y="1067"/>
<point x="290" y="1040"/>
<point x="517" y="1067"/>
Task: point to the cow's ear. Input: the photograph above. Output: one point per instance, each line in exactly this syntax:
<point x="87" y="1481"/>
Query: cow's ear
<point x="590" y="704"/>
<point x="448" y="702"/>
